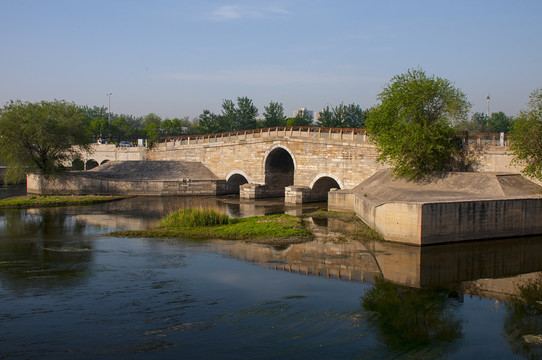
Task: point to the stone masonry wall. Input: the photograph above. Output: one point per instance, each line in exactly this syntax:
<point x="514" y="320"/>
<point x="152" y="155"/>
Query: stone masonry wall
<point x="348" y="163"/>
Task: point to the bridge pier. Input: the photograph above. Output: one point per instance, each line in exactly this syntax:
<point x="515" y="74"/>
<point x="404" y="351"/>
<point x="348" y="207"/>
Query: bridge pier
<point x="252" y="191"/>
<point x="297" y="194"/>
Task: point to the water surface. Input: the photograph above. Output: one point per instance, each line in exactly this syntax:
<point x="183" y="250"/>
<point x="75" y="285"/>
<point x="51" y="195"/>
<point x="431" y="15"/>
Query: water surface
<point x="69" y="291"/>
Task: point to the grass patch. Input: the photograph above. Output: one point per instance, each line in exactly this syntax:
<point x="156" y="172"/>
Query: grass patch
<point x="208" y="224"/>
<point x="55" y="200"/>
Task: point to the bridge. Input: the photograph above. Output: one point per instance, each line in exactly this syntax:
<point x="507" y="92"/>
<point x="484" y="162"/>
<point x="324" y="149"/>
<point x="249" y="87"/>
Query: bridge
<point x="305" y="164"/>
<point x="300" y="163"/>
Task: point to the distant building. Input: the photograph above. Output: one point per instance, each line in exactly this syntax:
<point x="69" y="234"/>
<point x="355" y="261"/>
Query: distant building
<point x="309" y="112"/>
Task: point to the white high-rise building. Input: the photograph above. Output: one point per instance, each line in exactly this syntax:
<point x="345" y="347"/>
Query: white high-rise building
<point x="309" y="112"/>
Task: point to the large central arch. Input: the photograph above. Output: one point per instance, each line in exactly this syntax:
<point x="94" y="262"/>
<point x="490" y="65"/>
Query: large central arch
<point x="279" y="171"/>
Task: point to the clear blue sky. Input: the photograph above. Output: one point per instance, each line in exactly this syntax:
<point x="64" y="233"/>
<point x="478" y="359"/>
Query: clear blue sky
<point x="176" y="58"/>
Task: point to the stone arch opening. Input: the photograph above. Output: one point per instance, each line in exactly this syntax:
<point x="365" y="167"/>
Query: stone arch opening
<point x="279" y="171"/>
<point x="78" y="164"/>
<point x="322" y="186"/>
<point x="234" y="182"/>
<point x="91" y="164"/>
<point x="103" y="162"/>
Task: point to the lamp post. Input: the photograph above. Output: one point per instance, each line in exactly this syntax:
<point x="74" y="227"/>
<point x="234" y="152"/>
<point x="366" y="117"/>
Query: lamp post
<point x="109" y="109"/>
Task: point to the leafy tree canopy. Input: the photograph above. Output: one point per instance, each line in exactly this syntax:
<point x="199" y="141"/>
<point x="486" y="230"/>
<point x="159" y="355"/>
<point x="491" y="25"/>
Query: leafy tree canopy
<point x="347" y="116"/>
<point x="274" y="115"/>
<point x="302" y="118"/>
<point x="480" y="122"/>
<point x="412" y="126"/>
<point x="526" y="137"/>
<point x="41" y="137"/>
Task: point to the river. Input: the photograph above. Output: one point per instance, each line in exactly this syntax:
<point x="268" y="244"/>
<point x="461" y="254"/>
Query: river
<point x="70" y="291"/>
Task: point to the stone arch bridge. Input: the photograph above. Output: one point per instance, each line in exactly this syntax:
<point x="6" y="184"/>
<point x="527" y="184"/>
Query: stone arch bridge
<point x="300" y="163"/>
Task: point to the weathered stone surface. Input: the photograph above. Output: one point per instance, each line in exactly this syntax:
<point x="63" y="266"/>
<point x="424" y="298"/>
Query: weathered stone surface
<point x="152" y="170"/>
<point x="454" y="207"/>
<point x="133" y="178"/>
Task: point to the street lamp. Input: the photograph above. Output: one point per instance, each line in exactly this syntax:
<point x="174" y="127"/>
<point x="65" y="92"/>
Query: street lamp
<point x="109" y="109"/>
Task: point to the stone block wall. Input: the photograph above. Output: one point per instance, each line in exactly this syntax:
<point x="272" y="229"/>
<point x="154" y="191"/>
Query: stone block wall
<point x="79" y="185"/>
<point x="348" y="163"/>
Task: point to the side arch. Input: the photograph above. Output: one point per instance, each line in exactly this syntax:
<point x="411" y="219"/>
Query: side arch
<point x="91" y="164"/>
<point x="321" y="185"/>
<point x="234" y="180"/>
<point x="326" y="175"/>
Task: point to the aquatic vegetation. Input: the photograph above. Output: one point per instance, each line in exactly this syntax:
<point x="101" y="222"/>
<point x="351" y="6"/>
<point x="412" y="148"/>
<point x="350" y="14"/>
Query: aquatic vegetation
<point x="209" y="224"/>
<point x="55" y="200"/>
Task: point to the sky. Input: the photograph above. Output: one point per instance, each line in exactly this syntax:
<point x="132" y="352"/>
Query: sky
<point x="177" y="58"/>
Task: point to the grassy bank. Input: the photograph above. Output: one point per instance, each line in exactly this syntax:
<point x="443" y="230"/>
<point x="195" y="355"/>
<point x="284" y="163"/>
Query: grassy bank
<point x="54" y="200"/>
<point x="208" y="224"/>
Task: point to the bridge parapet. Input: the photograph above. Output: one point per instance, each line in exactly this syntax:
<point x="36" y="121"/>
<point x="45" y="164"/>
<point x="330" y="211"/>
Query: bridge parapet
<point x="355" y="135"/>
<point x="329" y="134"/>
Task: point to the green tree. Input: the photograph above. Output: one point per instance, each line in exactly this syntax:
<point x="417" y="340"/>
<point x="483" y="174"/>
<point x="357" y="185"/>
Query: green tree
<point x="41" y="137"/>
<point x="412" y="125"/>
<point x="302" y="118"/>
<point x="228" y="117"/>
<point x="500" y="122"/>
<point x="152" y="123"/>
<point x="274" y="115"/>
<point x="209" y="123"/>
<point x="354" y="116"/>
<point x="98" y="127"/>
<point x="348" y="116"/>
<point x="246" y="113"/>
<point x="526" y="137"/>
<point x="326" y="118"/>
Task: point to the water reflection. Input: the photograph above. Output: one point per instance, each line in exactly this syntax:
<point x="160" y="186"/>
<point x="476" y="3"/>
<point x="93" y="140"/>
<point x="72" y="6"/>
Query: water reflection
<point x="141" y="213"/>
<point x="170" y="298"/>
<point x="409" y="319"/>
<point x="523" y="325"/>
<point x="42" y="249"/>
<point x="488" y="268"/>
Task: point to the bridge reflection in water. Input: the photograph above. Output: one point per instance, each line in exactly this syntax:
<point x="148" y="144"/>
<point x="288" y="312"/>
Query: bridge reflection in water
<point x="490" y="268"/>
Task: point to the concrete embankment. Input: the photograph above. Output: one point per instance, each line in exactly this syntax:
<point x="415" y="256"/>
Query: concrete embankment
<point x="450" y="208"/>
<point x="132" y="178"/>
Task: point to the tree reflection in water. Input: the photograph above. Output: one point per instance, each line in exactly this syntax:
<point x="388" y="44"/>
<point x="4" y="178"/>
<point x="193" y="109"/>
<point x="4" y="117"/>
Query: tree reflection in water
<point x="42" y="250"/>
<point x="523" y="324"/>
<point x="410" y="319"/>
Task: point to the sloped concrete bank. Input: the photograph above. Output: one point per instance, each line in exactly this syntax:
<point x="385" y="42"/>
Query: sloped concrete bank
<point x="454" y="207"/>
<point x="132" y="178"/>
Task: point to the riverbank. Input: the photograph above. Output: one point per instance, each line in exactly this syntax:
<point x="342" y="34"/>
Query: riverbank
<point x="29" y="201"/>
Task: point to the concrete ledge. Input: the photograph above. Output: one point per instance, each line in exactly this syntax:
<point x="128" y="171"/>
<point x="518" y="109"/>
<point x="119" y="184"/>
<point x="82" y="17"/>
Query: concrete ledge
<point x="78" y="184"/>
<point x="452" y="208"/>
<point x="340" y="200"/>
